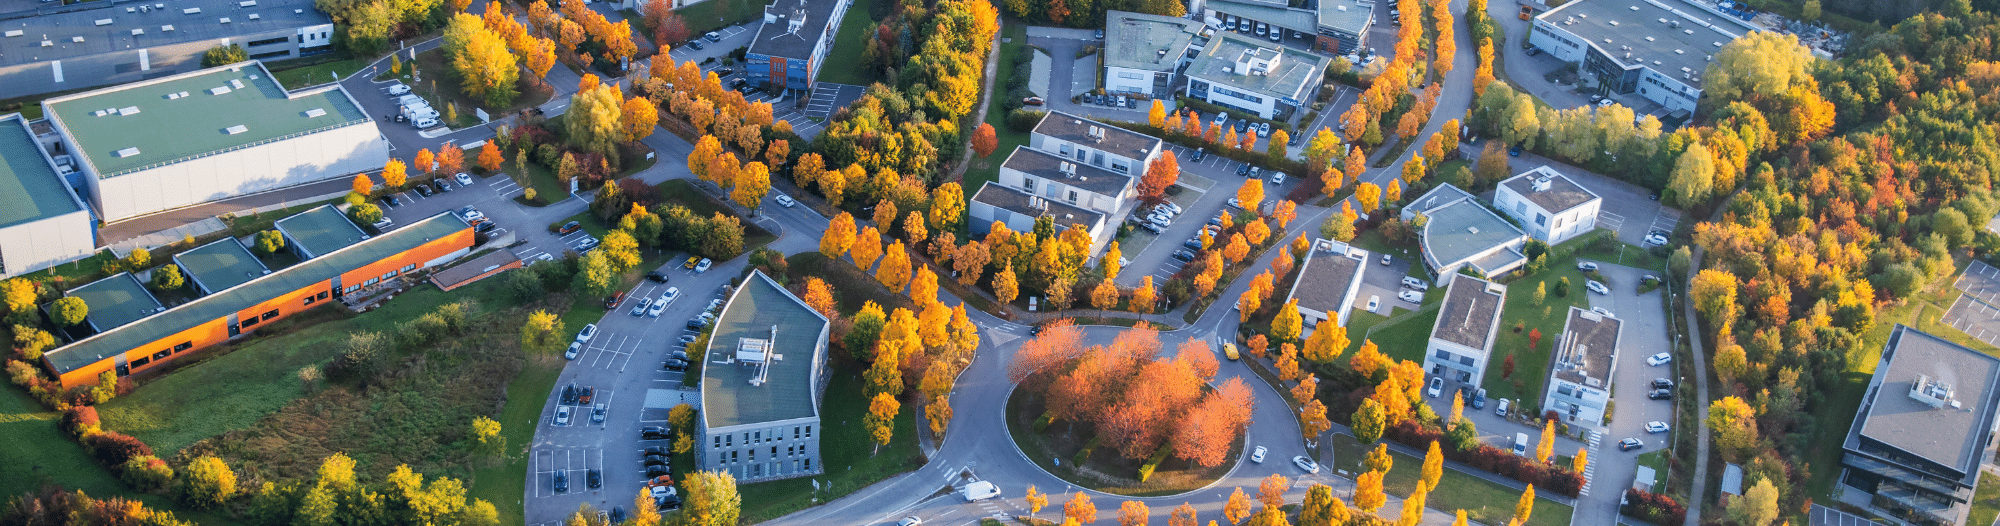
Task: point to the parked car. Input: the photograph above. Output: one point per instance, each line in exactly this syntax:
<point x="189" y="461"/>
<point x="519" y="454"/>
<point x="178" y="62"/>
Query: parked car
<point x="1655" y="239"/>
<point x="1630" y="444"/>
<point x="656" y="277"/>
<point x="659" y="306"/>
<point x="423" y="190"/>
<point x="1192" y="244"/>
<point x="1411" y="296"/>
<point x="1520" y="447"/>
<point x="583" y="396"/>
<point x="1385" y="259"/>
<point x="398" y="89"/>
<point x="703" y="266"/>
<point x="1501" y="409"/>
<point x="464" y="179"/>
<point x="562" y="415"/>
<point x="1243" y="170"/>
<point x="1199" y="154"/>
<point x="589" y="331"/>
<point x="1596" y="287"/>
<point x="639" y="307"/>
<point x="1153" y="227"/>
<point x="1277" y="178"/>
<point x="1373" y="302"/>
<point x="597" y="415"/>
<point x="1514" y="152"/>
<point x="1257" y="455"/>
<point x="1659" y="359"/>
<point x="595" y="478"/>
<point x="1256" y="172"/>
<point x="575" y="348"/>
<point x="1415" y="283"/>
<point x="697" y="45"/>
<point x="713" y="36"/>
<point x="675" y="365"/>
<point x="1479" y="399"/>
<point x="1656" y="426"/>
<point x="562" y="482"/>
<point x="1662" y="383"/>
<point x="1661" y="394"/>
<point x="785" y="200"/>
<point x="441" y="184"/>
<point x="1586" y="266"/>
<point x="1032" y="101"/>
<point x="1435" y="387"/>
<point x="655" y="433"/>
<point x="569" y="228"/>
<point x="1306" y="464"/>
<point x="1184" y="255"/>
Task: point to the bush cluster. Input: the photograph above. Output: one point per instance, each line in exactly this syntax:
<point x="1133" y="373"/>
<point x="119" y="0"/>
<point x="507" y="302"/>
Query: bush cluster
<point x="1546" y="477"/>
<point x="1653" y="507"/>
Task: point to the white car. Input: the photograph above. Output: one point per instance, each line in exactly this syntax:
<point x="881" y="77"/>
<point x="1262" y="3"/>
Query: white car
<point x="1235" y="204"/>
<point x="785" y="200"/>
<point x="1277" y="178"/>
<point x="575" y="348"/>
<point x="639" y="309"/>
<point x="1385" y="260"/>
<point x="705" y="263"/>
<point x="912" y="520"/>
<point x="1411" y="296"/>
<point x="1659" y="359"/>
<point x="1169" y="205"/>
<point x="1604" y="103"/>
<point x="1306" y="464"/>
<point x="1435" y="388"/>
<point x="562" y="416"/>
<point x="588" y="332"/>
<point x="1655" y="239"/>
<point x="672" y="293"/>
<point x="1656" y="427"/>
<point x="464" y="179"/>
<point x="1601" y="311"/>
<point x="1586" y="266"/>
<point x="399" y="89"/>
<point x="659" y="306"/>
<point x="1596" y="287"/>
<point x="1373" y="302"/>
<point x="1257" y="455"/>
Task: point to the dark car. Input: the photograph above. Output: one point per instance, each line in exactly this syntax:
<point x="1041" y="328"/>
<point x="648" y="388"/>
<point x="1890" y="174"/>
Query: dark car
<point x="654" y="460"/>
<point x="441" y="185"/>
<point x="1034" y="330"/>
<point x="655" y="433"/>
<point x="667" y="503"/>
<point x="562" y="482"/>
<point x="485" y="226"/>
<point x="677" y="354"/>
<point x="1514" y="152"/>
<point x="595" y="479"/>
<point x="1534" y="51"/>
<point x="676" y="365"/>
<point x="569" y="228"/>
<point x="1630" y="444"/>
<point x="654" y="471"/>
<point x="569" y="394"/>
<point x="424" y="190"/>
<point x="656" y="277"/>
<point x="1661" y="394"/>
<point x="1199" y="154"/>
<point x="738" y="82"/>
<point x="1193" y="244"/>
<point x="393" y="201"/>
<point x="696" y="44"/>
<point x="1184" y="255"/>
<point x="618" y="515"/>
<point x="1243" y="170"/>
<point x="1662" y="383"/>
<point x="724" y="72"/>
<point x="655" y="450"/>
<point x="1479" y="399"/>
<point x="695" y="324"/>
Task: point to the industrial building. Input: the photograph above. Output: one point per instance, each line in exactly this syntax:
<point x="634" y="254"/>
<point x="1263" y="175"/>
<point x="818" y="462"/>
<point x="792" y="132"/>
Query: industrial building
<point x="762" y="385"/>
<point x="1344" y="25"/>
<point x="1259" y="78"/>
<point x="1333" y="269"/>
<point x="792" y="43"/>
<point x="1332" y="26"/>
<point x="228" y="312"/>
<point x="212" y="134"/>
<point x="1468" y="322"/>
<point x="1658" y="49"/>
<point x="66" y="46"/>
<point x="1551" y="205"/>
<point x="1143" y="54"/>
<point x="1924" y="428"/>
<point x="1579" y="388"/>
<point x="1459" y="232"/>
<point x="43" y="222"/>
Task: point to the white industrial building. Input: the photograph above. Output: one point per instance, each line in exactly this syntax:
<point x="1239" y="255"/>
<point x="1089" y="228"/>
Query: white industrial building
<point x="1658" y="49"/>
<point x="1256" y="77"/>
<point x="206" y="135"/>
<point x="1143" y="53"/>
<point x="42" y="222"/>
<point x="1329" y="280"/>
<point x="1579" y="388"/>
<point x="1461" y="343"/>
<point x="1551" y="205"/>
<point x="1075" y="171"/>
<point x="51" y="46"/>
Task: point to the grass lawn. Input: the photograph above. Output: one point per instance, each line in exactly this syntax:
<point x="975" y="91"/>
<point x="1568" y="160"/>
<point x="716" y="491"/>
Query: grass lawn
<point x="1530" y="365"/>
<point x="315" y="74"/>
<point x="37" y="452"/>
<point x="1658" y="461"/>
<point x="504" y="484"/>
<point x="1625" y="254"/>
<point x="1372" y="241"/>
<point x="852" y="461"/>
<point x="1986" y="501"/>
<point x="988" y="169"/>
<point x="843" y="64"/>
<point x="1483" y="501"/>
<point x="441" y="87"/>
<point x="711" y="15"/>
<point x="550" y="189"/>
<point x="1405" y="336"/>
<point x="681" y="192"/>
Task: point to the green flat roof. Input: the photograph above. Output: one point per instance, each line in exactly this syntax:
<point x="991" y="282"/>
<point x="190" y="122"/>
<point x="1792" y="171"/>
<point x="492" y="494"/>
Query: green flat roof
<point x="127" y="128"/>
<point x="220" y="265"/>
<point x="116" y="301"/>
<point x="221" y="304"/>
<point x="320" y="231"/>
<point x="728" y="398"/>
<point x="28" y="185"/>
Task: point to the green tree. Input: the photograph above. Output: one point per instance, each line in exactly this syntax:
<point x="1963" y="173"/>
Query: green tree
<point x="486" y="69"/>
<point x="68" y="311"/>
<point x="867" y="327"/>
<point x="139" y="258"/>
<point x="1734" y="427"/>
<point x="1693" y="176"/>
<point x="168" y="277"/>
<point x="593" y="121"/>
<point x="1757" y="507"/>
<point x="543" y="333"/>
<point x="270" y="242"/>
<point x="223" y="55"/>
<point x="595" y="275"/>
<point x="1369" y="421"/>
<point x="1948" y="222"/>
<point x="621" y="249"/>
<point x="365" y="213"/>
<point x="207" y="482"/>
<point x="710" y="499"/>
<point x="1760" y="62"/>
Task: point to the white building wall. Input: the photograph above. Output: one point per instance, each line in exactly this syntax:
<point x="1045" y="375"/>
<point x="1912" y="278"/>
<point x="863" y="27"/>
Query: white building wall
<point x="1058" y="190"/>
<point x="1264" y="109"/>
<point x="1127" y="80"/>
<point x="745" y="451"/>
<point x="36" y="245"/>
<point x="1135" y="166"/>
<point x="315" y="36"/>
<point x="1555" y="228"/>
<point x="1452" y="364"/>
<point x="330" y="154"/>
<point x="1582" y="404"/>
<point x="1557" y="42"/>
<point x="1670" y="91"/>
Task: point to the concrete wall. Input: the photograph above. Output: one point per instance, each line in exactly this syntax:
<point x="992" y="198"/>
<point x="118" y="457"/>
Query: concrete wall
<point x="1452" y="364"/>
<point x="330" y="154"/>
<point x="36" y="245"/>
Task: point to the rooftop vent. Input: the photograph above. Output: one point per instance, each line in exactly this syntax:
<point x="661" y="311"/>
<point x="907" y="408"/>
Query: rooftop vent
<point x="168" y="27"/>
<point x="233" y="130"/>
<point x="1688" y="31"/>
<point x="1541" y="184"/>
<point x="1325" y="245"/>
<point x="191" y="11"/>
<point x="128" y="152"/>
<point x="1649" y="39"/>
<point x="1635" y="8"/>
<point x="103" y="21"/>
<point x="254" y="16"/>
<point x="172" y="96"/>
<point x="298" y="11"/>
<point x="1614" y="22"/>
<point x="77" y="39"/>
<point x="1342" y="8"/>
<point x="247" y="3"/>
<point x="1934" y="393"/>
<point x="1680" y="52"/>
<point x="218" y="90"/>
<point x="131" y="9"/>
<point x="315" y="112"/>
<point x="15" y="33"/>
<point x="128" y="110"/>
<point x="1038" y="203"/>
<point x="138" y="31"/>
<point x="1068" y="169"/>
<point x="223" y="20"/>
<point x="236" y="83"/>
<point x="1472" y="229"/>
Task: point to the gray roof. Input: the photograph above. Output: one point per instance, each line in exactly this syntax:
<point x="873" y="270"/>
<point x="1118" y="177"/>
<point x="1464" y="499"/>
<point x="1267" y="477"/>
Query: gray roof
<point x="1276" y="14"/>
<point x="144" y="128"/>
<point x="1438" y="197"/>
<point x="788" y="390"/>
<point x="221" y="304"/>
<point x="1732" y="479"/>
<point x="1021" y="203"/>
<point x="1326" y="276"/>
<point x="1470" y="314"/>
<point x="777" y="38"/>
<point x="1295" y="73"/>
<point x="219" y="265"/>
<point x="60" y="25"/>
<point x="1461" y="229"/>
<point x="1148" y="42"/>
<point x="1589" y="348"/>
<point x="1116" y="140"/>
<point x="116" y="301"/>
<point x="1049" y="166"/>
<point x="1563" y="193"/>
<point x="28" y="183"/>
<point x="1954" y="437"/>
<point x="320" y="230"/>
<point x="1614" y="25"/>
<point x="1354" y="19"/>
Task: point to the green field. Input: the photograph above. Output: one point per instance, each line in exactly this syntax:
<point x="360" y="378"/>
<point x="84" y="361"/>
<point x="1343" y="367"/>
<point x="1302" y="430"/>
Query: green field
<point x="1986" y="500"/>
<point x="711" y="15"/>
<point x="316" y="74"/>
<point x="36" y="452"/>
<point x="1530" y="365"/>
<point x="852" y="462"/>
<point x="1483" y="500"/>
<point x="843" y="63"/>
<point x="1405" y="336"/>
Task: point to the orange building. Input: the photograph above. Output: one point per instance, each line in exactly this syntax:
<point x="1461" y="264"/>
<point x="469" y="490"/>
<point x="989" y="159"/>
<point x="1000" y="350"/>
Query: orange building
<point x="231" y="312"/>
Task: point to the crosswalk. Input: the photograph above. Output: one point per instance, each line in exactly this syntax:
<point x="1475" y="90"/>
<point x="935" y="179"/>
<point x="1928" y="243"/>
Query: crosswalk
<point x="1590" y="468"/>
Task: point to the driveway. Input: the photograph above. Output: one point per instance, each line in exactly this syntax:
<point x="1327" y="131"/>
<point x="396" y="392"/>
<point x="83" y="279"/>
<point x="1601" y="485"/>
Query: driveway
<point x="1642" y="333"/>
<point x="1153" y="254"/>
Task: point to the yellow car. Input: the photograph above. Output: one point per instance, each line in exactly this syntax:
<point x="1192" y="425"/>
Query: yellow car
<point x="691" y="262"/>
<point x="1229" y="349"/>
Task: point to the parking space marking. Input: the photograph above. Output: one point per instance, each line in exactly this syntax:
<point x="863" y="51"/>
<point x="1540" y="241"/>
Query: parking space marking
<point x="1610" y="220"/>
<point x="574" y="462"/>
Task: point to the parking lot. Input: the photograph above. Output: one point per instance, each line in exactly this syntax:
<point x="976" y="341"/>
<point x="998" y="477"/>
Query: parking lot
<point x="1982" y="281"/>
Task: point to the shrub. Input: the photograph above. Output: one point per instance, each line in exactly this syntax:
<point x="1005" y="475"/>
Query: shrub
<point x="1024" y="120"/>
<point x="1153" y="462"/>
<point x="1653" y="507"/>
<point x="80" y="421"/>
<point x="112" y="448"/>
<point x="146" y="473"/>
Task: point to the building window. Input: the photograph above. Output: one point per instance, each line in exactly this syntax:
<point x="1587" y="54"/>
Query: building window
<point x="809" y="463"/>
<point x="272" y="314"/>
<point x="809" y="431"/>
<point x="723" y="458"/>
<point x="1072" y="196"/>
<point x="755" y="437"/>
<point x="718" y="442"/>
<point x="309" y="300"/>
<point x="266" y="42"/>
<point x="1541" y="220"/>
<point x="322" y="295"/>
<point x="190" y="345"/>
<point x="1521" y="208"/>
<point x="1120" y="167"/>
<point x="729" y="440"/>
<point x="139" y="362"/>
<point x="733" y="456"/>
<point x="1064" y="149"/>
<point x="248" y="322"/>
<point x="774" y="452"/>
<point x="1028" y="184"/>
<point x="409" y="267"/>
<point x="795" y="432"/>
<point x="371" y="282"/>
<point x="753" y="454"/>
<point x="1443" y="355"/>
<point x="162" y="355"/>
<point x="1467" y="361"/>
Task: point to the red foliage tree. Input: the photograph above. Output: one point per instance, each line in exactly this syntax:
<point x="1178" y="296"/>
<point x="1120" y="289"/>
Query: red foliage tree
<point x="1161" y="174"/>
<point x="1206" y="431"/>
<point x="1058" y="343"/>
<point x="1146" y="416"/>
<point x="1534" y="339"/>
<point x="113" y="448"/>
<point x="1507" y="367"/>
<point x="983" y="140"/>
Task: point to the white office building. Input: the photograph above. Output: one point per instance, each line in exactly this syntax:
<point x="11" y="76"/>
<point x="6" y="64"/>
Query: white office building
<point x="1551" y="205"/>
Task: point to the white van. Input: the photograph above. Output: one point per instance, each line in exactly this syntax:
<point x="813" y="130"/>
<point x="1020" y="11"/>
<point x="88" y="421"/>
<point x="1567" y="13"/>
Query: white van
<point x="980" y="490"/>
<point x="426" y="123"/>
<point x="1521" y="444"/>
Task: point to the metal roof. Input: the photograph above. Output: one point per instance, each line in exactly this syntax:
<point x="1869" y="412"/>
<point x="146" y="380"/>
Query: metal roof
<point x="1148" y="42"/>
<point x="28" y="182"/>
<point x="1276" y="14"/>
<point x="1049" y="166"/>
<point x="132" y="127"/>
<point x="320" y="230"/>
<point x="106" y="27"/>
<point x="1353" y="19"/>
<point x="221" y="304"/>
<point x="786" y="389"/>
<point x="1670" y="36"/>
<point x="1461" y="228"/>
<point x="1952" y="436"/>
<point x="220" y="265"/>
<point x="1294" y="73"/>
<point x="116" y="301"/>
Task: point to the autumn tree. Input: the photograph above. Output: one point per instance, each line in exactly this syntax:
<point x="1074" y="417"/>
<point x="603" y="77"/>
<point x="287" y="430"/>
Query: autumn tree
<point x="881" y="419"/>
<point x="1183" y="515"/>
<point x="593" y="121"/>
<point x="1080" y="508"/>
<point x="1238" y="506"/>
<point x="1525" y="507"/>
<point x="1005" y="287"/>
<point x="1368" y="495"/>
<point x="1285" y="325"/>
<point x="1132" y="512"/>
<point x="1321" y="508"/>
<point x="1369" y="421"/>
<point x="1036" y="500"/>
<point x="486" y="69"/>
<point x="838" y="236"/>
<point x="425" y="161"/>
<point x="984" y="141"/>
<point x="866" y="248"/>
<point x="490" y="157"/>
<point x="1327" y="343"/>
<point x="1369" y="196"/>
<point x="1733" y="425"/>
<point x="1162" y="173"/>
<point x="1758" y="506"/>
<point x="638" y="118"/>
<point x="1546" y="448"/>
<point x="1250" y="196"/>
<point x="1693" y="176"/>
<point x="1276" y="149"/>
<point x="206" y="482"/>
<point x="1313" y="420"/>
<point x="393" y="174"/>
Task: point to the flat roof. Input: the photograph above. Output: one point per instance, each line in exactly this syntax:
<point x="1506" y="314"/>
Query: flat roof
<point x="1470" y="315"/>
<point x="116" y="301"/>
<point x="1293" y="74"/>
<point x="320" y="230"/>
<point x="221" y="304"/>
<point x="1021" y="203"/>
<point x="1148" y="42"/>
<point x="472" y="268"/>
<point x="1049" y="166"/>
<point x="219" y="265"/>
<point x="1116" y="140"/>
<point x="1351" y="16"/>
<point x="1326" y="276"/>
<point x="1589" y="348"/>
<point x="1669" y="36"/>
<point x="28" y="182"/>
<point x="1277" y="14"/>
<point x="1462" y="229"/>
<point x="778" y="39"/>
<point x="132" y="127"/>
<point x="1952" y="436"/>
<point x="787" y="390"/>
<point x="61" y="25"/>
<point x="1562" y="194"/>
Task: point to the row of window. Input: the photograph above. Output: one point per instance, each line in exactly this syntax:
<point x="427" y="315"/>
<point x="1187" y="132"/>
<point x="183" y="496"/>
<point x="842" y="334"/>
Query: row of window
<point x="1446" y="356"/>
<point x="757" y="437"/>
<point x="758" y="471"/>
<point x="730" y="456"/>
<point x="1253" y="99"/>
<point x="162" y="355"/>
